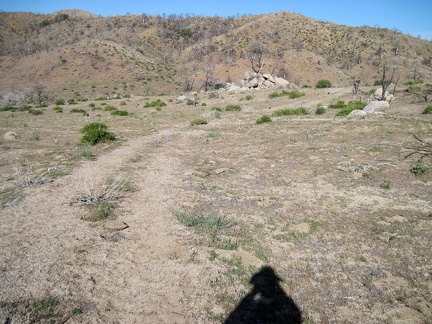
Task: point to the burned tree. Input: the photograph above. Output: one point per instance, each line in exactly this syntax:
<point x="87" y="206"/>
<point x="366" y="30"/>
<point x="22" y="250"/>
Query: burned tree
<point x="386" y="81"/>
<point x="255" y="55"/>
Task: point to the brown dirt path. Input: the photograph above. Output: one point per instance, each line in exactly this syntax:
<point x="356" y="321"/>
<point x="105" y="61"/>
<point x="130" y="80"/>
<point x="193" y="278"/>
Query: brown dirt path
<point x="141" y="274"/>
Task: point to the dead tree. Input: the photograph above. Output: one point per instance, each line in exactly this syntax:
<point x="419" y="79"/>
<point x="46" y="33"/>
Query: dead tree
<point x="256" y="54"/>
<point x="386" y="81"/>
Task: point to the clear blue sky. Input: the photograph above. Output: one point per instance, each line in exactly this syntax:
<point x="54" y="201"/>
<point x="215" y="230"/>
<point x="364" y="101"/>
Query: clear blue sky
<point x="409" y="16"/>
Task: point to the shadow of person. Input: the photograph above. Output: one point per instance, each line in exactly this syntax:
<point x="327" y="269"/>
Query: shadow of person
<point x="266" y="303"/>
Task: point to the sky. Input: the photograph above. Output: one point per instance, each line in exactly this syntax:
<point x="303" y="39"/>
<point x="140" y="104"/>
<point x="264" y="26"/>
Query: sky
<point x="411" y="17"/>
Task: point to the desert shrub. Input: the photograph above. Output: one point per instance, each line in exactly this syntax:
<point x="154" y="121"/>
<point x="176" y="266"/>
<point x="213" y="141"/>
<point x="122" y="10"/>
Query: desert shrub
<point x="371" y="92"/>
<point x="320" y="110"/>
<point x="413" y="82"/>
<point x="428" y="110"/>
<point x="203" y="104"/>
<point x="8" y="107"/>
<point x="420" y="168"/>
<point x="219" y="86"/>
<point x="190" y="102"/>
<point x="35" y="112"/>
<point x="290" y="112"/>
<point x="58" y="109"/>
<point x="213" y="95"/>
<point x="72" y="102"/>
<point x="100" y="211"/>
<point x="59" y="102"/>
<point x="216" y="108"/>
<point x="215" y="114"/>
<point x="156" y="103"/>
<point x="92" y="105"/>
<point x="78" y="110"/>
<point x="338" y="105"/>
<point x="202" y="223"/>
<point x="264" y="119"/>
<point x="232" y="108"/>
<point x="110" y="108"/>
<point x="96" y="133"/>
<point x="198" y="121"/>
<point x="123" y="103"/>
<point x="119" y="113"/>
<point x="24" y="107"/>
<point x="413" y="88"/>
<point x="102" y="98"/>
<point x="323" y="84"/>
<point x="377" y="83"/>
<point x="290" y="94"/>
<point x="352" y="105"/>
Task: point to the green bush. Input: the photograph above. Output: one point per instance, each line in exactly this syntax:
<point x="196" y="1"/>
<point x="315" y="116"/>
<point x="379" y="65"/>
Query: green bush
<point x="290" y="112"/>
<point x="198" y="121"/>
<point x="420" y="168"/>
<point x="377" y="83"/>
<point x="338" y="105"/>
<point x="96" y="133"/>
<point x="428" y="110"/>
<point x="120" y="113"/>
<point x="92" y="105"/>
<point x="323" y="84"/>
<point x="413" y="88"/>
<point x="264" y="119"/>
<point x="320" y="110"/>
<point x="290" y="94"/>
<point x="72" y="102"/>
<point x="216" y="109"/>
<point x="78" y="110"/>
<point x="110" y="108"/>
<point x="59" y="102"/>
<point x="413" y="82"/>
<point x="190" y="102"/>
<point x="352" y="105"/>
<point x="58" y="109"/>
<point x="232" y="108"/>
<point x="35" y="112"/>
<point x="156" y="103"/>
<point x="8" y="107"/>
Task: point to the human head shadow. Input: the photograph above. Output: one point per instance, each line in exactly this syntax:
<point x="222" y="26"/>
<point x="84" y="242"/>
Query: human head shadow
<point x="266" y="302"/>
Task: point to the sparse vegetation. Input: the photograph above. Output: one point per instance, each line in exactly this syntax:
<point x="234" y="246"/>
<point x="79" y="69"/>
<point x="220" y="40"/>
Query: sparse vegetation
<point x="420" y="168"/>
<point x="120" y="113"/>
<point x="427" y="110"/>
<point x="290" y="94"/>
<point x="232" y="107"/>
<point x="352" y="105"/>
<point x="264" y="119"/>
<point x="198" y="121"/>
<point x="320" y="110"/>
<point x="35" y="112"/>
<point x="156" y="103"/>
<point x="290" y="112"/>
<point x="78" y="110"/>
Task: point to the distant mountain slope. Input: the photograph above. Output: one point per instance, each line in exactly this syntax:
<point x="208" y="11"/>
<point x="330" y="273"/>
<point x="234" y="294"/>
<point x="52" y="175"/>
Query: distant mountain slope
<point x="159" y="53"/>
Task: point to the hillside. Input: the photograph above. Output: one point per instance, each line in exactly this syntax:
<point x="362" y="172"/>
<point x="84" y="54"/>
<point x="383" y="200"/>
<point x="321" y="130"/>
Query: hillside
<point x="78" y="49"/>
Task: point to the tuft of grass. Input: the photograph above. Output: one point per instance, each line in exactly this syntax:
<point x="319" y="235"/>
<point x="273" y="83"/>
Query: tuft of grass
<point x="35" y="112"/>
<point x="155" y="103"/>
<point x="420" y="168"/>
<point x="110" y="108"/>
<point x="386" y="185"/>
<point x="205" y="224"/>
<point x="320" y="111"/>
<point x="213" y="132"/>
<point x="352" y="105"/>
<point x="428" y="110"/>
<point x="198" y="121"/>
<point x="290" y="112"/>
<point x="120" y="113"/>
<point x="290" y="94"/>
<point x="44" y="310"/>
<point x="100" y="211"/>
<point x="10" y="196"/>
<point x="232" y="108"/>
<point x="264" y="119"/>
<point x="78" y="110"/>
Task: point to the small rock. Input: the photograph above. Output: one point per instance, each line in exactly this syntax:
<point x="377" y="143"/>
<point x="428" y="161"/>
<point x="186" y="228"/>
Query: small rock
<point x="10" y="136"/>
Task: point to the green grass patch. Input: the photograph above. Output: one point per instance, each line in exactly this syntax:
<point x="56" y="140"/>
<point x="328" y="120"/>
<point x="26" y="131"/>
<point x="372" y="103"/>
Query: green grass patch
<point x="232" y="108"/>
<point x="264" y="119"/>
<point x="290" y="94"/>
<point x="96" y="133"/>
<point x="290" y="112"/>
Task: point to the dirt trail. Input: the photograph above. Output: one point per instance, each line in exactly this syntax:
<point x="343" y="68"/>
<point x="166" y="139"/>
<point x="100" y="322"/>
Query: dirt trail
<point x="140" y="274"/>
